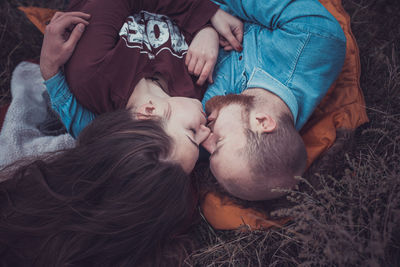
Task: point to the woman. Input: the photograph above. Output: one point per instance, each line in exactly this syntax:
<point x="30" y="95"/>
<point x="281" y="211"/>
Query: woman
<point x="125" y="205"/>
<point x="121" y="197"/>
<point x="138" y="62"/>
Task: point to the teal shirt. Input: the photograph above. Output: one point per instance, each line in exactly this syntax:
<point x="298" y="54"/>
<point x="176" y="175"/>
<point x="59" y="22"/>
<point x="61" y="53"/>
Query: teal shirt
<point x="72" y="114"/>
<point x="294" y="49"/>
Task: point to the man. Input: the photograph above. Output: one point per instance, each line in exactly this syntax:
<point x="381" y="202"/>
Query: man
<point x="288" y="63"/>
<point x="293" y="51"/>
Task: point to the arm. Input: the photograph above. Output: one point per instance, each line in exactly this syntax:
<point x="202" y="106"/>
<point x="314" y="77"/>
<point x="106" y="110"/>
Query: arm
<point x="192" y="15"/>
<point x="281" y="14"/>
<point x="189" y="15"/>
<point x="59" y="42"/>
<point x="74" y="117"/>
<point x="57" y="48"/>
<point x="109" y="16"/>
<point x="230" y="29"/>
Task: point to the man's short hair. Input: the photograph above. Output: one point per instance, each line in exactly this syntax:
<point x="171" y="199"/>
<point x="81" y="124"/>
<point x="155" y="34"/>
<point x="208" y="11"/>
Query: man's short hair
<point x="274" y="158"/>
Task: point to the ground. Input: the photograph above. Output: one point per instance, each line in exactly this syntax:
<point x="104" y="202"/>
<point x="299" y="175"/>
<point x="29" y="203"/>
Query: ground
<point x="350" y="214"/>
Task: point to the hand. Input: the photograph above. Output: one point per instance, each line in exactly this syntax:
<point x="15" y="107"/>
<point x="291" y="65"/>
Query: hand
<point x="202" y="55"/>
<point x="230" y="28"/>
<point x="60" y="38"/>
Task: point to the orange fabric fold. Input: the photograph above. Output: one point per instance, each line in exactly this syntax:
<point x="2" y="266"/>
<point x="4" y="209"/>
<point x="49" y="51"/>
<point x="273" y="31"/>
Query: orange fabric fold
<point x="342" y="108"/>
<point x="224" y="215"/>
<point x="40" y="17"/>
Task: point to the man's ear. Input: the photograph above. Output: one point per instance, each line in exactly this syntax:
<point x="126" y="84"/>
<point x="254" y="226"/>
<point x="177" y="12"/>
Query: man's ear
<point x="145" y="111"/>
<point x="265" y="123"/>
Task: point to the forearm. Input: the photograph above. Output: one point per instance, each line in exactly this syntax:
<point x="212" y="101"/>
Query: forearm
<point x="310" y="15"/>
<point x="189" y="15"/>
<point x="72" y="114"/>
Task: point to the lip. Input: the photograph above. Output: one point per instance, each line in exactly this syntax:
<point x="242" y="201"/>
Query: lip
<point x="211" y="126"/>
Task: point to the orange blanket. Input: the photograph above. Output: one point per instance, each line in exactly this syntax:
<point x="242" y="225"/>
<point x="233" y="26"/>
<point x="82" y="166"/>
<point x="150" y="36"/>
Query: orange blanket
<point x="342" y="108"/>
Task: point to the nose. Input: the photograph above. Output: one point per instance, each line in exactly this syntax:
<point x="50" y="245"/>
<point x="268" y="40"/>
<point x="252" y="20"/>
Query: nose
<point x="203" y="133"/>
<point x="210" y="143"/>
<point x="213" y="116"/>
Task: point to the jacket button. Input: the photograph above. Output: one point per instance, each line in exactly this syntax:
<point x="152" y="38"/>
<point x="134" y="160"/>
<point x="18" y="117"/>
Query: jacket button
<point x="240" y="58"/>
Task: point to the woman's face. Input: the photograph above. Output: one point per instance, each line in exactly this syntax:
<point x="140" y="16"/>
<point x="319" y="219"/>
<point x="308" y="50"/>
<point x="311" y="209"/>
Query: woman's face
<point x="185" y="123"/>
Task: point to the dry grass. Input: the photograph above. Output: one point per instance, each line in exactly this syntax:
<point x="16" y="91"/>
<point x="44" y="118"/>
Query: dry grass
<point x="19" y="39"/>
<point x="348" y="207"/>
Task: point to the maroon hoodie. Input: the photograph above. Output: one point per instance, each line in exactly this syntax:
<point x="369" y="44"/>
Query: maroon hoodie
<point x="127" y="41"/>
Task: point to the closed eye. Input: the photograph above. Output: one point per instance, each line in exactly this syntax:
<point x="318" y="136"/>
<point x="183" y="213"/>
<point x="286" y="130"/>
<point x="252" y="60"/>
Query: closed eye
<point x="192" y="141"/>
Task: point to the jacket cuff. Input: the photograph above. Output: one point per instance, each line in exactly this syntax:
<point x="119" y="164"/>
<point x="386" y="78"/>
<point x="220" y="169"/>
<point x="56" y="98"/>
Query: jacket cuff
<point x="58" y="89"/>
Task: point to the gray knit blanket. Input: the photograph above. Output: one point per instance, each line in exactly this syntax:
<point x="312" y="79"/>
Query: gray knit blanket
<point x="30" y="127"/>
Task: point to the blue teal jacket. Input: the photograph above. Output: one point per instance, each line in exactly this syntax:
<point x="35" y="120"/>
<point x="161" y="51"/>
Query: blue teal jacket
<point x="294" y="49"/>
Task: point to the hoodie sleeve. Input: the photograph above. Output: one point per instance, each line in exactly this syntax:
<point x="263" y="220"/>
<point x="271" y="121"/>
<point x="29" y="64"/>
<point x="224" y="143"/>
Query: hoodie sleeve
<point x="72" y="114"/>
<point x="189" y="15"/>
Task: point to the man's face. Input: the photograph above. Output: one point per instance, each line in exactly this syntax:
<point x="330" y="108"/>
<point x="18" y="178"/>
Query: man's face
<point x="228" y="119"/>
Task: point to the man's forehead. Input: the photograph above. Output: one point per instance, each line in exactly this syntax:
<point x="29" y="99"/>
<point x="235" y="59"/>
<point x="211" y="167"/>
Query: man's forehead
<point x="232" y="114"/>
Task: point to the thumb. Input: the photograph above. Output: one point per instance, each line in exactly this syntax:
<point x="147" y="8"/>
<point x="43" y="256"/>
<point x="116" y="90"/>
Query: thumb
<point x="76" y="34"/>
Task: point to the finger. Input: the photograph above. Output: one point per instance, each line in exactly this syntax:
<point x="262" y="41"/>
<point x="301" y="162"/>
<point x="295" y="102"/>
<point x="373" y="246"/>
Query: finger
<point x="192" y="64"/>
<point x="210" y="79"/>
<point x="66" y="22"/>
<point x="238" y="32"/>
<point x="199" y="67"/>
<point x="75" y="14"/>
<point x="223" y="43"/>
<point x="221" y="38"/>
<point x="228" y="48"/>
<point x="210" y="76"/>
<point x="56" y="16"/>
<point x="188" y="57"/>
<point x="232" y="41"/>
<point x="76" y="34"/>
<point x="204" y="73"/>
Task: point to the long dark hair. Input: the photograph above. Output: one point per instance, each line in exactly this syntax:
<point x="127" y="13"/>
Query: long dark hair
<point x="113" y="200"/>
